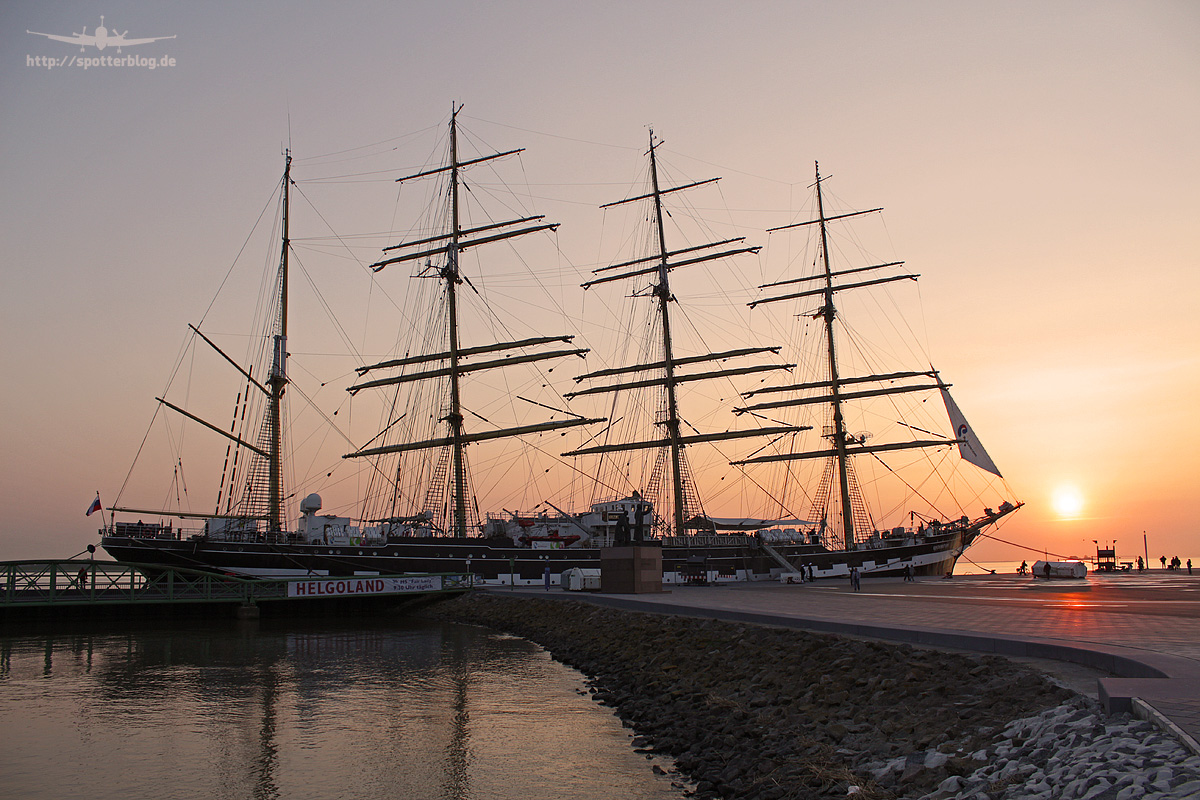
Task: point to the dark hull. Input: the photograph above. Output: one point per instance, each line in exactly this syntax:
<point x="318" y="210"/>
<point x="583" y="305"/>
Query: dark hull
<point x="498" y="561"/>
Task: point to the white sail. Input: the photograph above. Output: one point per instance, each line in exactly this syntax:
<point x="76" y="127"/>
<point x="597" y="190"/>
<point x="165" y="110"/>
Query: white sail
<point x="969" y="446"/>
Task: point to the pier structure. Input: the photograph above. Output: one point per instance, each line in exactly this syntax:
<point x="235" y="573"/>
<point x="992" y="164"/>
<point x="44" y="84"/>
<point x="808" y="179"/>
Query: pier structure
<point x="76" y="585"/>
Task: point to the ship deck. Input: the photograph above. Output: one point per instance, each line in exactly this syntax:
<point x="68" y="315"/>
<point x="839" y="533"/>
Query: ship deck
<point x="1137" y="633"/>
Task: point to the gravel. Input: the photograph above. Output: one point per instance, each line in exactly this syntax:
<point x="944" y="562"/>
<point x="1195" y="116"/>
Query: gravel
<point x="762" y="713"/>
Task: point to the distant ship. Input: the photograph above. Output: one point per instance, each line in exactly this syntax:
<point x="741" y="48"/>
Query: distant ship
<point x="428" y="435"/>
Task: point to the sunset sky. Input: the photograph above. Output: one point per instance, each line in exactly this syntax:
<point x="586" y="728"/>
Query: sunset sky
<point x="1037" y="163"/>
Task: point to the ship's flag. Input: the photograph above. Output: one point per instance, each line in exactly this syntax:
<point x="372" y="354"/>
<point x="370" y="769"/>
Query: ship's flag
<point x="94" y="507"/>
<point x="969" y="446"/>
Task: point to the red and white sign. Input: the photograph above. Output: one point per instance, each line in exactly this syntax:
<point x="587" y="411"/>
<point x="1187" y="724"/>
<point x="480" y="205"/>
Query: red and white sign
<point x="349" y="587"/>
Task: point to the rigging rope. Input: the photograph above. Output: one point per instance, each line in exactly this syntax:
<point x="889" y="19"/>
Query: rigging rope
<point x="1025" y="547"/>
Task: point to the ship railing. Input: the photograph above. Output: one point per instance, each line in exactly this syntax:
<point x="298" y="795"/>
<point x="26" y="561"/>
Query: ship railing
<point x="134" y="530"/>
<point x="272" y="537"/>
<point x="600" y="540"/>
<point x="709" y="540"/>
<point x="146" y="530"/>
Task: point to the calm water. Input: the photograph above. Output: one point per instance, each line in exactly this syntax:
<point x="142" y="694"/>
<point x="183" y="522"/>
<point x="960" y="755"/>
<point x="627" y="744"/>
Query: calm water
<point x="965" y="567"/>
<point x="396" y="709"/>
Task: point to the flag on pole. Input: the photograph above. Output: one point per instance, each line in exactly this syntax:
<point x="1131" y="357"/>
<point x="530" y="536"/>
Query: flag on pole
<point x="969" y="446"/>
<point x="95" y="506"/>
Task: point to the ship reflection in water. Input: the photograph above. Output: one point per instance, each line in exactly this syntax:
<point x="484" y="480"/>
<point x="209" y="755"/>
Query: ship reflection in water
<point x="295" y="710"/>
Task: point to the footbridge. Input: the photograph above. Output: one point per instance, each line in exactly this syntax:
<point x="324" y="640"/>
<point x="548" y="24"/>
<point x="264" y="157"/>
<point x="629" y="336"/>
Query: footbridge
<point x="88" y="583"/>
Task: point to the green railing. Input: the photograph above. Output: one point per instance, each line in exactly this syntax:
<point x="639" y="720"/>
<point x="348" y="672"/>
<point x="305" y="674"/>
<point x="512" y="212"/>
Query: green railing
<point x="87" y="582"/>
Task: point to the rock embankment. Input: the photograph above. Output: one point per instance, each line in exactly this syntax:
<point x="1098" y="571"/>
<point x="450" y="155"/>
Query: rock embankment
<point x="1071" y="751"/>
<point x="760" y="713"/>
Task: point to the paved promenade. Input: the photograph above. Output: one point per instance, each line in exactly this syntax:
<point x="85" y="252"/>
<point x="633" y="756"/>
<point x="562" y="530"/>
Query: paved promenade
<point x="1141" y="630"/>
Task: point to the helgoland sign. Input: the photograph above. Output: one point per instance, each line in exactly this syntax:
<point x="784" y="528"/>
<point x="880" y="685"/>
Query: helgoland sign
<point x="350" y="587"/>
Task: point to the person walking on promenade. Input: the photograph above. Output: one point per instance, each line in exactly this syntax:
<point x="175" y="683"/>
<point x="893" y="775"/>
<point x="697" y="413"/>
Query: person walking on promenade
<point x="1163" y="559"/>
<point x="1189" y="566"/>
<point x="855" y="583"/>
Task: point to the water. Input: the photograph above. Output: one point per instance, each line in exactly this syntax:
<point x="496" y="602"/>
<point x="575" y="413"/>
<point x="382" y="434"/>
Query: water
<point x="270" y="709"/>
<point x="965" y="567"/>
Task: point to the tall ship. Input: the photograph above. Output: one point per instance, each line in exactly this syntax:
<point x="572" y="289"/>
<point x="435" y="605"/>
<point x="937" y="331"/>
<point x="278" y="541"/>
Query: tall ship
<point x="417" y="509"/>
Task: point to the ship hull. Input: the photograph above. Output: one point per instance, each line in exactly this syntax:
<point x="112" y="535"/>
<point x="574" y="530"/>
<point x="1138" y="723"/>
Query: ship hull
<point x="742" y="558"/>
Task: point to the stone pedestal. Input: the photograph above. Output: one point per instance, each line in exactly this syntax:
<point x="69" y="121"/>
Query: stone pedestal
<point x="636" y="569"/>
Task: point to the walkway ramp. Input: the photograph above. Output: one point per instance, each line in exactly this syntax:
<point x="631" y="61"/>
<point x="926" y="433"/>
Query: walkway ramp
<point x="79" y="584"/>
<point x="788" y="566"/>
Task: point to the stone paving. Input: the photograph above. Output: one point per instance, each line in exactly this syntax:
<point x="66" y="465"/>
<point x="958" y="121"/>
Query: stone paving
<point x="1139" y="612"/>
<point x="1133" y="625"/>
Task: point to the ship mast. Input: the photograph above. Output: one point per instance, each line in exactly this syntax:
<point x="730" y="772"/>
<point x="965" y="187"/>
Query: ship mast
<point x="662" y="291"/>
<point x="452" y="278"/>
<point x="686" y="501"/>
<point x="449" y="247"/>
<point x="277" y="382"/>
<point x="266" y="467"/>
<point x="828" y="311"/>
<point x="844" y="445"/>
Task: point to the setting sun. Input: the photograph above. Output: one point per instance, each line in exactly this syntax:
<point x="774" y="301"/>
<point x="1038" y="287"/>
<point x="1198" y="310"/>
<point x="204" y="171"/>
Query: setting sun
<point x="1068" y="502"/>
